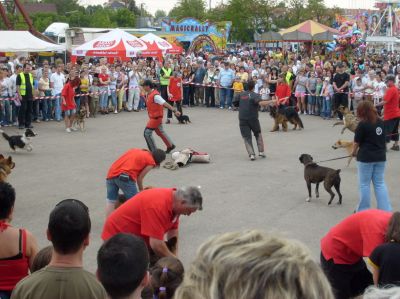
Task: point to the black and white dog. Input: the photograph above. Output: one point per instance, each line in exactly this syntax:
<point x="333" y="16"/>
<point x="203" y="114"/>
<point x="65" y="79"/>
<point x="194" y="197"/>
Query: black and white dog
<point x="20" y="141"/>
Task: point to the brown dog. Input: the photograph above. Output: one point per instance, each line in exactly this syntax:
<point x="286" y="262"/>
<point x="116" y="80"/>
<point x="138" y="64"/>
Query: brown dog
<point x="349" y="121"/>
<point x="348" y="145"/>
<point x="80" y="119"/>
<point x="315" y="174"/>
<point x="282" y="115"/>
<point x="6" y="164"/>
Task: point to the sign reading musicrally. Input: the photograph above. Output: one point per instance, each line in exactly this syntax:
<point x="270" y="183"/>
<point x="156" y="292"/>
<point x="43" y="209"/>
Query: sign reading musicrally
<point x="189" y="29"/>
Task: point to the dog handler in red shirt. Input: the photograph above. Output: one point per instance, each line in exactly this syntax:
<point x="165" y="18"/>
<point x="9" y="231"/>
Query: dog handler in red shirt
<point x="129" y="169"/>
<point x="391" y="112"/>
<point x="344" y="247"/>
<point x="175" y="94"/>
<point x="155" y="108"/>
<point x="154" y="215"/>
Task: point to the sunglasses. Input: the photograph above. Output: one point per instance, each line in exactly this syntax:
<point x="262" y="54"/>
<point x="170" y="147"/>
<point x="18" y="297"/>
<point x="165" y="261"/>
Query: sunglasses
<point x="81" y="204"/>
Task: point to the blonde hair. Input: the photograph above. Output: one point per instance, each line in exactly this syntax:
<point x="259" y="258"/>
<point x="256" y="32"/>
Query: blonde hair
<point x="253" y="265"/>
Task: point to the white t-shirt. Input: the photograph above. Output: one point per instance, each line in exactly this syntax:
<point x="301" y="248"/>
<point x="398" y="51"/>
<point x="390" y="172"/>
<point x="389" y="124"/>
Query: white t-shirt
<point x="380" y="89"/>
<point x="264" y="92"/>
<point x="159" y="100"/>
<point x="58" y="81"/>
<point x="133" y="79"/>
<point x="358" y="91"/>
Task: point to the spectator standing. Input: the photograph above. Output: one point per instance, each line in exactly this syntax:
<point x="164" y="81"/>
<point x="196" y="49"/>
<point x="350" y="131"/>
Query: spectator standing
<point x="129" y="169"/>
<point x="326" y="93"/>
<point x="134" y="90"/>
<point x="311" y="86"/>
<point x="165" y="74"/>
<point x="84" y="88"/>
<point x="112" y="86"/>
<point x="15" y="103"/>
<point x="57" y="81"/>
<point x="18" y="246"/>
<point x="175" y="94"/>
<point x="210" y="79"/>
<point x="225" y="81"/>
<point x="358" y="93"/>
<point x="370" y="149"/>
<point x="25" y="89"/>
<point x="300" y="91"/>
<point x="341" y="81"/>
<point x="122" y="266"/>
<point x="198" y="79"/>
<point x="45" y="91"/>
<point x="68" y="104"/>
<point x="68" y="230"/>
<point x="391" y="113"/>
<point x="5" y="107"/>
<point x="104" y="80"/>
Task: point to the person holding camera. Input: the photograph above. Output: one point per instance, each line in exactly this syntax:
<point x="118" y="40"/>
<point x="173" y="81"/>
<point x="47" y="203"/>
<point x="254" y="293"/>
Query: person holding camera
<point x="155" y="108"/>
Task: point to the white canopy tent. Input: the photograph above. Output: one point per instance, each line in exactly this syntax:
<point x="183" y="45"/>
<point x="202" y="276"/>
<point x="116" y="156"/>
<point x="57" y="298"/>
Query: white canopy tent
<point x="24" y="41"/>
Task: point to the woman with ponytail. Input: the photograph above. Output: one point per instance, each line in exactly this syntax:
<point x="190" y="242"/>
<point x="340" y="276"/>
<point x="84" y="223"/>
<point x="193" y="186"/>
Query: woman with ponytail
<point x="166" y="276"/>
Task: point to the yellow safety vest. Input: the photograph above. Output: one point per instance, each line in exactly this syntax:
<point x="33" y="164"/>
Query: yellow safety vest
<point x="22" y="88"/>
<point x="164" y="80"/>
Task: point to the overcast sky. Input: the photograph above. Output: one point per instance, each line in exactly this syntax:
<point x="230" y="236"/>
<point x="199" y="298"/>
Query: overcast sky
<point x="153" y="5"/>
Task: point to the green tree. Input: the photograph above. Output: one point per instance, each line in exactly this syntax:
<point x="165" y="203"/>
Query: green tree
<point x="123" y="18"/>
<point x="189" y="8"/>
<point x="298" y="11"/>
<point x="160" y="14"/>
<point x="242" y="16"/>
<point x="102" y="19"/>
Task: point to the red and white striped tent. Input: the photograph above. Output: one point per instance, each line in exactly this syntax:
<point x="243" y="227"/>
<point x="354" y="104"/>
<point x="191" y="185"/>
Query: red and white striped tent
<point x="155" y="43"/>
<point x="115" y="43"/>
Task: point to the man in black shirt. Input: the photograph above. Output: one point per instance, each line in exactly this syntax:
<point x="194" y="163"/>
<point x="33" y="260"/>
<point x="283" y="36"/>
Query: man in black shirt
<point x="25" y="87"/>
<point x="341" y="82"/>
<point x="248" y="103"/>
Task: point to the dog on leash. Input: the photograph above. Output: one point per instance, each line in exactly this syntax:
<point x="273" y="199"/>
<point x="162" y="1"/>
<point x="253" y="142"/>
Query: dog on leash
<point x="20" y="141"/>
<point x="79" y="121"/>
<point x="348" y="145"/>
<point x="183" y="119"/>
<point x="315" y="174"/>
<point x="282" y="115"/>
<point x="349" y="121"/>
<point x="6" y="165"/>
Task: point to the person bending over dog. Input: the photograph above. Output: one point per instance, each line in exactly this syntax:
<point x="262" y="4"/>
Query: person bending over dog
<point x="130" y="168"/>
<point x="248" y="103"/>
<point x="155" y="108"/>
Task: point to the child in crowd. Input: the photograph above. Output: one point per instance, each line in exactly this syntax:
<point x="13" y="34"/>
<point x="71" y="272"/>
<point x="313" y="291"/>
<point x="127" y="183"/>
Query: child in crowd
<point x="42" y="258"/>
<point x="94" y="97"/>
<point x="238" y="87"/>
<point x="264" y="91"/>
<point x="358" y="91"/>
<point x="326" y="93"/>
<point x="166" y="276"/>
<point x="318" y="89"/>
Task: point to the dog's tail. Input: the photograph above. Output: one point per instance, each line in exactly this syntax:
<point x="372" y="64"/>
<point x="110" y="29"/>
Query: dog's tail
<point x="299" y="122"/>
<point x="6" y="137"/>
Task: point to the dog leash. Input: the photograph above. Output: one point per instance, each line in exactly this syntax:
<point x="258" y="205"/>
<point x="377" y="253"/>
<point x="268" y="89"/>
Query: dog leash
<point x="339" y="158"/>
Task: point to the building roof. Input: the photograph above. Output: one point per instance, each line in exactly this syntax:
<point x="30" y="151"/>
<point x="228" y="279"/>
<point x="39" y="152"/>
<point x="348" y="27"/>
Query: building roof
<point x="33" y="8"/>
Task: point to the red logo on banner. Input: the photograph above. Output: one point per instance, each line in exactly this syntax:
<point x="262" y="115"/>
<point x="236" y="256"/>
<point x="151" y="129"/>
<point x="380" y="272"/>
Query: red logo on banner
<point x="104" y="44"/>
<point x="134" y="43"/>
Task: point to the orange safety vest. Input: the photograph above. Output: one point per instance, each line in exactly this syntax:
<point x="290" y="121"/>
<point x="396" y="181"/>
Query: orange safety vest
<point x="153" y="109"/>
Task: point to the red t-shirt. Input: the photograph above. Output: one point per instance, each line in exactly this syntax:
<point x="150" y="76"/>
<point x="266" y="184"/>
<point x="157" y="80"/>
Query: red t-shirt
<point x="391" y="108"/>
<point x="68" y="92"/>
<point x="356" y="236"/>
<point x="103" y="77"/>
<point x="147" y="214"/>
<point x="132" y="163"/>
<point x="175" y="88"/>
<point x="282" y="91"/>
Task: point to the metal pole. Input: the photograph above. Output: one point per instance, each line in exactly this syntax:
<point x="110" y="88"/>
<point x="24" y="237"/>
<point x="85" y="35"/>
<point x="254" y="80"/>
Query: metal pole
<point x="391" y="26"/>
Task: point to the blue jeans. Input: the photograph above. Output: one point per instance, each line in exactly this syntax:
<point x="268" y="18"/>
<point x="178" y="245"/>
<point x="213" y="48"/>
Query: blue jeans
<point x="186" y="95"/>
<point x="127" y="187"/>
<point x="114" y="98"/>
<point x="225" y="95"/>
<point x="103" y="97"/>
<point x="375" y="172"/>
<point x="326" y="107"/>
<point x="6" y="112"/>
<point x="142" y="103"/>
<point x="57" y="107"/>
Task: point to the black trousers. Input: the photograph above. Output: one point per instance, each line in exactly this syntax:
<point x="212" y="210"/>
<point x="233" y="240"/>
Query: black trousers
<point x="340" y="99"/>
<point x="210" y="97"/>
<point x="25" y="112"/>
<point x="392" y="129"/>
<point x="347" y="281"/>
<point x="164" y="91"/>
<point x="178" y="106"/>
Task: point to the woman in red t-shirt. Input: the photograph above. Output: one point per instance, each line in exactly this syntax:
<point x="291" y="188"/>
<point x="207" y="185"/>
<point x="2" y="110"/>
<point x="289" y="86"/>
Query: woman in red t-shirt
<point x="175" y="94"/>
<point x="68" y="101"/>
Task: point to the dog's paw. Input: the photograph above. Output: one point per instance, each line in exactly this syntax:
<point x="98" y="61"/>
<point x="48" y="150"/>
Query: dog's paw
<point x="308" y="199"/>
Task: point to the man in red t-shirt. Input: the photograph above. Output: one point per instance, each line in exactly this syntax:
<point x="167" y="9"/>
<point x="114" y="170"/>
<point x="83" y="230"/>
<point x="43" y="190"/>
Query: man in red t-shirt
<point x="391" y="112"/>
<point x="345" y="245"/>
<point x="154" y="216"/>
<point x="130" y="168"/>
<point x="175" y="93"/>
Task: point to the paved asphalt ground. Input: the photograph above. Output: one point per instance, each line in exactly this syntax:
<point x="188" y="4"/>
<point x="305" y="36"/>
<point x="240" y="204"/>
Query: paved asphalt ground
<point x="267" y="194"/>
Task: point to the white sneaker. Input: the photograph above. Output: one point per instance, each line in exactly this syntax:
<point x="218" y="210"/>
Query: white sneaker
<point x="74" y="129"/>
<point x="252" y="157"/>
<point x="68" y="130"/>
<point x="115" y="112"/>
<point x="230" y="108"/>
<point x="261" y="154"/>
